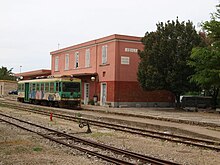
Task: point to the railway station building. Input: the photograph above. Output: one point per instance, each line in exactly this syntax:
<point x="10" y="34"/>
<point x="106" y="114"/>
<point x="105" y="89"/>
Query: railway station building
<point x="108" y="69"/>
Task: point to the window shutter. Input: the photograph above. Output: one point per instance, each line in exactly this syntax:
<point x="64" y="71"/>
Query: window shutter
<point x="104" y="54"/>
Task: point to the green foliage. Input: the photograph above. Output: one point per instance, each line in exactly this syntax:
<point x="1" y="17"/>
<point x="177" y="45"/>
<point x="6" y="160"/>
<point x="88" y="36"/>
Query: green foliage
<point x="91" y="102"/>
<point x="78" y="115"/>
<point x="193" y="93"/>
<point x="164" y="58"/>
<point x="206" y="62"/>
<point x="37" y="149"/>
<point x="6" y="74"/>
<point x="206" y="59"/>
<point x="212" y="27"/>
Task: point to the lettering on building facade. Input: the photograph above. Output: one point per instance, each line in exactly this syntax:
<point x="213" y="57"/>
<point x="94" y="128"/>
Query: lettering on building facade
<point x="133" y="50"/>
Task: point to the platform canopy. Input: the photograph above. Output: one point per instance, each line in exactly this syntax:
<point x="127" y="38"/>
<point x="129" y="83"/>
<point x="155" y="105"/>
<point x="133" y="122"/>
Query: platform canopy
<point x="34" y="74"/>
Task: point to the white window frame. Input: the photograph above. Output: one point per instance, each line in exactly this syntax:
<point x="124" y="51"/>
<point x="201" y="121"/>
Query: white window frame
<point x="56" y="64"/>
<point x="104" y="54"/>
<point x="103" y="98"/>
<point x="76" y="59"/>
<point x="67" y="61"/>
<point x="125" y="60"/>
<point x="87" y="58"/>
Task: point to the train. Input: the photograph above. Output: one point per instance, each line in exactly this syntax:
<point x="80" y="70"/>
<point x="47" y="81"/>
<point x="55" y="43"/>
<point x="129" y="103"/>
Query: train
<point x="55" y="91"/>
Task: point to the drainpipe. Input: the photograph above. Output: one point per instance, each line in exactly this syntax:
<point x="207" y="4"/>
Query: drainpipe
<point x="117" y="72"/>
<point x="96" y="66"/>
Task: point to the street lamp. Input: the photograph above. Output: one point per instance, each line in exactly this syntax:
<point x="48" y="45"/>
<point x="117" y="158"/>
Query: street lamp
<point x="20" y="69"/>
<point x="93" y="78"/>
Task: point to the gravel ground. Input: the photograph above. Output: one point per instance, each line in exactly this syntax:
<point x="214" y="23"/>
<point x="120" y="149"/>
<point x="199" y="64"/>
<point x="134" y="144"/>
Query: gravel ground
<point x="26" y="148"/>
<point x="18" y="147"/>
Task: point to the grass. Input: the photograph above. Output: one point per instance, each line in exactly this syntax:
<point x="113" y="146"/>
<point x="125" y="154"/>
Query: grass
<point x="37" y="149"/>
<point x="100" y="134"/>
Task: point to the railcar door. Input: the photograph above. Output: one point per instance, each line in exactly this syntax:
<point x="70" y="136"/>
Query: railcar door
<point x="26" y="94"/>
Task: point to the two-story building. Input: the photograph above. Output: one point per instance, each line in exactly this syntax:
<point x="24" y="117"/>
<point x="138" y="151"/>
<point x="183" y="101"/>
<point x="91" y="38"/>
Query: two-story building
<point x="108" y="69"/>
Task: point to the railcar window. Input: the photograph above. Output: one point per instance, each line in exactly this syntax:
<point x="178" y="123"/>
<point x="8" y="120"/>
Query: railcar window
<point x="58" y="86"/>
<point x="33" y="87"/>
<point x="42" y="87"/>
<point x="22" y="87"/>
<point x="46" y="87"/>
<point x="37" y="87"/>
<point x="51" y="87"/>
<point x="71" y="87"/>
<point x="19" y="87"/>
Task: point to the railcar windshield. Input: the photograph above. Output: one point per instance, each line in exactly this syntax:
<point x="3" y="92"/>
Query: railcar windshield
<point x="71" y="87"/>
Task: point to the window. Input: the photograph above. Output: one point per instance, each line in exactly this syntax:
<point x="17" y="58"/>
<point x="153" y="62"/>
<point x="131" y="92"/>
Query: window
<point x="37" y="87"/>
<point x="67" y="62"/>
<point x="42" y="87"/>
<point x="19" y="87"/>
<point x="87" y="58"/>
<point x="58" y="87"/>
<point x="76" y="59"/>
<point x="71" y="87"/>
<point x="125" y="60"/>
<point x="57" y="63"/>
<point x="46" y="87"/>
<point x="104" y="54"/>
<point x="51" y="87"/>
<point x="33" y="87"/>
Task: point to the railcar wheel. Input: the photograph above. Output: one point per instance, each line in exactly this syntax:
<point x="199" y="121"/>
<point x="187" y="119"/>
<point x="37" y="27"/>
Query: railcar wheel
<point x="50" y="103"/>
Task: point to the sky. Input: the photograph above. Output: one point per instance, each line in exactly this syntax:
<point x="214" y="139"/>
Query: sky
<point x="31" y="29"/>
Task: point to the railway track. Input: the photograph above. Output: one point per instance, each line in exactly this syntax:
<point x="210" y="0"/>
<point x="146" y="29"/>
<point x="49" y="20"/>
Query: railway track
<point x="112" y="154"/>
<point x="202" y="143"/>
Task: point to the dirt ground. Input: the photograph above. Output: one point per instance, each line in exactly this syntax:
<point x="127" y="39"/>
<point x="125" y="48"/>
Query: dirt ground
<point x="20" y="147"/>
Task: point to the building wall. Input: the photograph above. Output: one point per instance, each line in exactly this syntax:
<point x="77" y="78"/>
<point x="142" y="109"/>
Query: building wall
<point x="95" y="61"/>
<point x="105" y="71"/>
<point x="128" y="72"/>
<point x="6" y="86"/>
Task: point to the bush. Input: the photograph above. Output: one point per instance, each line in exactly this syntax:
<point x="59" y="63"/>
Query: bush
<point x="91" y="102"/>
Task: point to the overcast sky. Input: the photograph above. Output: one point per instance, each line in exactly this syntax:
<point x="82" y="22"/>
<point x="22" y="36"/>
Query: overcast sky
<point x="31" y="29"/>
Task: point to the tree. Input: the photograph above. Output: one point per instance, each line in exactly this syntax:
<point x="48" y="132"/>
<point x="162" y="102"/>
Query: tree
<point x="206" y="60"/>
<point x="163" y="62"/>
<point x="6" y="74"/>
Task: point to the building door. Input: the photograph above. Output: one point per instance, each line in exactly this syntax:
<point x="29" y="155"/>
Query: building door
<point x="103" y="93"/>
<point x="86" y="93"/>
<point x="26" y="90"/>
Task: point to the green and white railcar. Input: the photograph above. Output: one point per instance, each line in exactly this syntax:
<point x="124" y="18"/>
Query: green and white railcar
<point x="62" y="92"/>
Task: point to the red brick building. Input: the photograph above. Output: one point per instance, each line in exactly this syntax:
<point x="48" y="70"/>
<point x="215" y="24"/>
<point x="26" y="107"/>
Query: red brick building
<point x="108" y="69"/>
